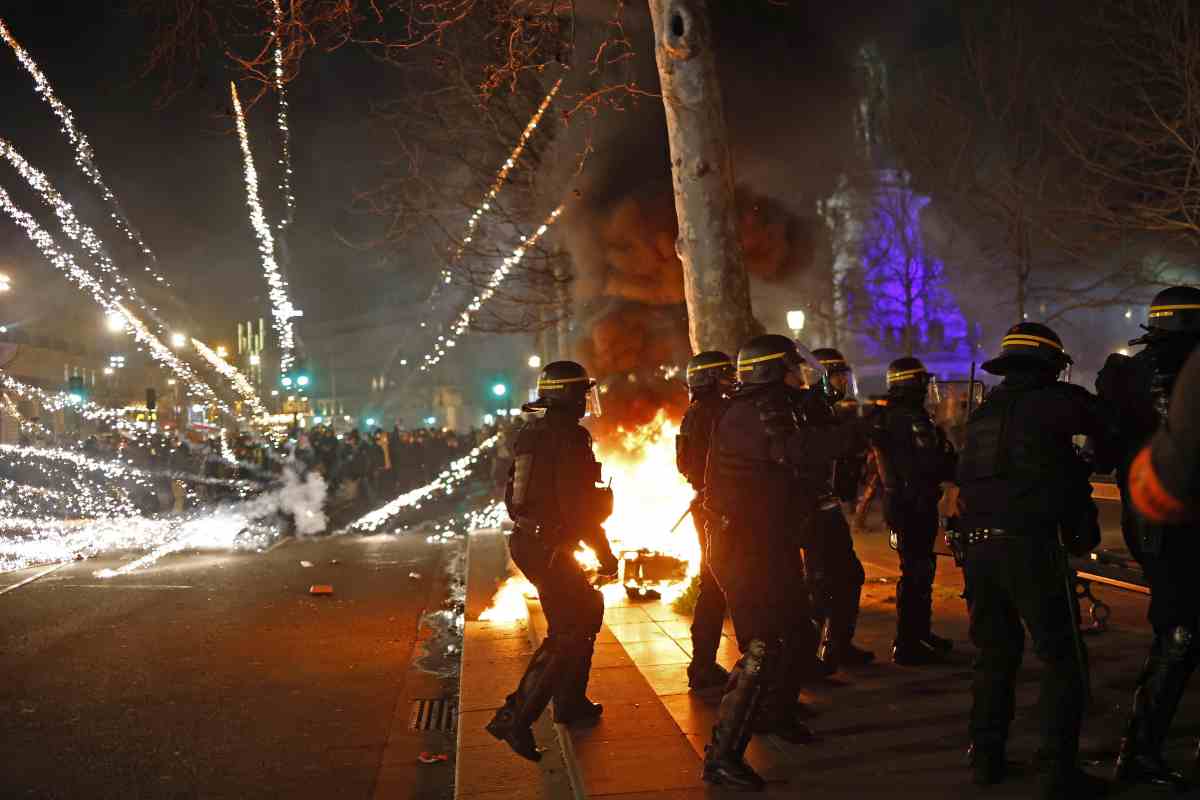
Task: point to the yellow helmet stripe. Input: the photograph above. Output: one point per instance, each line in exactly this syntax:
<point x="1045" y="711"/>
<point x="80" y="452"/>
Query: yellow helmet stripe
<point x="906" y="373"/>
<point x="709" y="366"/>
<point x="1169" y="311"/>
<point x="832" y="362"/>
<point x="747" y="364"/>
<point x="558" y="383"/>
<point x="1028" y="340"/>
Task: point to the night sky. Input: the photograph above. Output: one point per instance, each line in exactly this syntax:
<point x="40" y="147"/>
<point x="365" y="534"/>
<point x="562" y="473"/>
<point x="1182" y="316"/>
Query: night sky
<point x="177" y="172"/>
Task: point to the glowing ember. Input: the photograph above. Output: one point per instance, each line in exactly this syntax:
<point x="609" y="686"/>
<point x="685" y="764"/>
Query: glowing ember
<point x="508" y="605"/>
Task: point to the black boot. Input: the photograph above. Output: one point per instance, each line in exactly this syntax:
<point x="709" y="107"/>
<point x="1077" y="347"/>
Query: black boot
<point x="724" y="758"/>
<point x="505" y="727"/>
<point x="706" y="677"/>
<point x="571" y="704"/>
<point x="939" y="643"/>
<point x="1160" y="688"/>
<point x="513" y="722"/>
<point x="1061" y="783"/>
<point x="916" y="653"/>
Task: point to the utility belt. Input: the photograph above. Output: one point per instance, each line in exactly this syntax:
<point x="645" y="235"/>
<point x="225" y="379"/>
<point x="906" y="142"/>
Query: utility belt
<point x="961" y="541"/>
<point x="546" y="534"/>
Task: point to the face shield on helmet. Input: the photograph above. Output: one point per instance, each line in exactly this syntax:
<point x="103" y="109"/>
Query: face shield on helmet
<point x="933" y="394"/>
<point x="816" y="376"/>
<point x="592" y="406"/>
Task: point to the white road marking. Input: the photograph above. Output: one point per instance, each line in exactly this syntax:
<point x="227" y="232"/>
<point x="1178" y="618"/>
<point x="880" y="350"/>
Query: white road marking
<point x="33" y="578"/>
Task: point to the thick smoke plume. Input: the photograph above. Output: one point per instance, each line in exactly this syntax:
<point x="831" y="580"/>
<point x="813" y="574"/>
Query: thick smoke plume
<point x="790" y="92"/>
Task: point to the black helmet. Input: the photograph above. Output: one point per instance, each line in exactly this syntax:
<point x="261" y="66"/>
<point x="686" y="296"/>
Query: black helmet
<point x="907" y="374"/>
<point x="709" y="370"/>
<point x="832" y="360"/>
<point x="1029" y="344"/>
<point x="1176" y="310"/>
<point x="563" y="384"/>
<point x="767" y="359"/>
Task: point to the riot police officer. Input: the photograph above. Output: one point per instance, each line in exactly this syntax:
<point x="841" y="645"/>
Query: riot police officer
<point x="913" y="457"/>
<point x="1139" y="388"/>
<point x="1164" y="479"/>
<point x="757" y="498"/>
<point x="1021" y="483"/>
<point x="710" y="377"/>
<point x="835" y="575"/>
<point x="553" y="497"/>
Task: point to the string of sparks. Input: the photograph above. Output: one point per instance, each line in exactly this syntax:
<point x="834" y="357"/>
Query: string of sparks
<point x="233" y="375"/>
<point x="501" y="178"/>
<point x="66" y="263"/>
<point x="281" y="118"/>
<point x="446" y="482"/>
<point x="282" y="310"/>
<point x="446" y="341"/>
<point x="84" y="155"/>
<point x="56" y="401"/>
<point x="76" y="230"/>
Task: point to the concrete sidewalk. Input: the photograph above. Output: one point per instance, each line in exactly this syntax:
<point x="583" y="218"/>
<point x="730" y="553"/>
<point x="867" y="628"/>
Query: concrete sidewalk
<point x="884" y="728"/>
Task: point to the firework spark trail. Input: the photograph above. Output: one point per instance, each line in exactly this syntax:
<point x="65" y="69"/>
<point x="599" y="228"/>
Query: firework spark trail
<point x="501" y="177"/>
<point x="55" y="401"/>
<point x="77" y="231"/>
<point x="84" y="155"/>
<point x="64" y="262"/>
<point x="464" y="318"/>
<point x="450" y="478"/>
<point x="247" y="525"/>
<point x="281" y="118"/>
<point x="282" y="310"/>
<point x="233" y="375"/>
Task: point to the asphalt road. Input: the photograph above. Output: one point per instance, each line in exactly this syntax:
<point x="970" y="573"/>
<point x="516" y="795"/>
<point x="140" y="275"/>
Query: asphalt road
<point x="217" y="675"/>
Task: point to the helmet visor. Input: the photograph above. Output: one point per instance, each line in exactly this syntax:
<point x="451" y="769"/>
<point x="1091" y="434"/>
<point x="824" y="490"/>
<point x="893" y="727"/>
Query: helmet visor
<point x="592" y="407"/>
<point x="843" y="385"/>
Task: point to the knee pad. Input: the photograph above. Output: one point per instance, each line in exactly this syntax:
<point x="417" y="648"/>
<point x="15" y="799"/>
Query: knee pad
<point x="1179" y="645"/>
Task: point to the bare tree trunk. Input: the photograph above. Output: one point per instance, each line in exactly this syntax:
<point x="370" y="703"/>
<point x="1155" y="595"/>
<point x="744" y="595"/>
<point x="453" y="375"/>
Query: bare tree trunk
<point x="714" y="278"/>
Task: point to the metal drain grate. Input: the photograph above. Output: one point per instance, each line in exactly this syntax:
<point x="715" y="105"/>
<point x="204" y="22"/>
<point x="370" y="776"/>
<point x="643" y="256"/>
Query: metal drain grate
<point x="437" y="714"/>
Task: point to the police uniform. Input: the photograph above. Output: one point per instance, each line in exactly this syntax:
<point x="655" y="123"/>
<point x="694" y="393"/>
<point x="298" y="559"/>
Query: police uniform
<point x="913" y="457"/>
<point x="1021" y="483"/>
<point x="1164" y="479"/>
<point x="552" y="496"/>
<point x="1167" y="545"/>
<point x="834" y="574"/>
<point x="757" y="499"/>
<point x="710" y="377"/>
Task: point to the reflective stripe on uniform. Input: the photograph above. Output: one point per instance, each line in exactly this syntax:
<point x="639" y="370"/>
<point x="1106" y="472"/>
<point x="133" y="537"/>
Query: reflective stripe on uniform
<point x="1148" y="495"/>
<point x="1028" y="340"/>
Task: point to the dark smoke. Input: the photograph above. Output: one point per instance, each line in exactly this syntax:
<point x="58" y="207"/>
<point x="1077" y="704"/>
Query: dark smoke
<point x="790" y="89"/>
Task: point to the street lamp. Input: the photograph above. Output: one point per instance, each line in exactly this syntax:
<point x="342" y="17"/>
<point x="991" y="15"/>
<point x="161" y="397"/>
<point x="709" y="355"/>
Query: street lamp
<point x="499" y="390"/>
<point x="178" y="340"/>
<point x="115" y="322"/>
<point x="5" y="283"/>
<point x="795" y="321"/>
<point x="535" y="362"/>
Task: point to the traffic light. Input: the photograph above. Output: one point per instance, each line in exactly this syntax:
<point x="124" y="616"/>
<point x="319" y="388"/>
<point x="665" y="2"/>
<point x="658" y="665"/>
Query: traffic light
<point x="75" y="389"/>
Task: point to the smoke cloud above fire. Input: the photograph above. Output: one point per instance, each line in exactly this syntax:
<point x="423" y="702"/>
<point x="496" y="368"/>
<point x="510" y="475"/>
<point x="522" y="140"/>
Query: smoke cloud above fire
<point x="790" y="91"/>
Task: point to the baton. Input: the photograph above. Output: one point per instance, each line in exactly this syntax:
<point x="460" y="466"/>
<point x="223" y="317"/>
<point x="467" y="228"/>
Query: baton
<point x="682" y="517"/>
<point x="1076" y="636"/>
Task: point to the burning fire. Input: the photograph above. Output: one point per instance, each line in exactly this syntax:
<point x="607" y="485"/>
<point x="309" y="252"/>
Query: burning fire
<point x="649" y="497"/>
